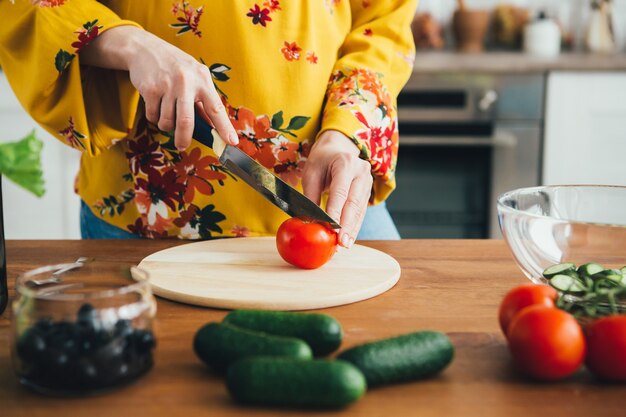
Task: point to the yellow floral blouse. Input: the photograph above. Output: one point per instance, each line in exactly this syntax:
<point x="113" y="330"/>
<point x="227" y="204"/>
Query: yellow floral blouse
<point x="286" y="71"/>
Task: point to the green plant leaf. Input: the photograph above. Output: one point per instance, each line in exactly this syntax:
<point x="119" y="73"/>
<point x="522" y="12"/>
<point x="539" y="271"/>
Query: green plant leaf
<point x="21" y="163"/>
<point x="297" y="122"/>
<point x="277" y="120"/>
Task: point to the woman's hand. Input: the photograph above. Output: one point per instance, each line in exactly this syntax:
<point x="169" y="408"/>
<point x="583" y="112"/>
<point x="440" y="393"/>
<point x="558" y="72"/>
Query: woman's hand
<point x="170" y="81"/>
<point x="334" y="165"/>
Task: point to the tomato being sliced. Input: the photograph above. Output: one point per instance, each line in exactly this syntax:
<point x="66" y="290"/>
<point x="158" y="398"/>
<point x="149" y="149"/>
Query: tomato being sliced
<point x="521" y="297"/>
<point x="606" y="348"/>
<point x="546" y="343"/>
<point x="306" y="244"/>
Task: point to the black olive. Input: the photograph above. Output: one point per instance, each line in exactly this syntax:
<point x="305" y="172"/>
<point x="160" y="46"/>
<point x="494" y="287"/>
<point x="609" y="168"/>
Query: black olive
<point x="44" y="325"/>
<point x="85" y="345"/>
<point x="87" y="371"/>
<point x="123" y="328"/>
<point x="122" y="370"/>
<point x="144" y="340"/>
<point x="87" y="318"/>
<point x="86" y="312"/>
<point x="31" y="345"/>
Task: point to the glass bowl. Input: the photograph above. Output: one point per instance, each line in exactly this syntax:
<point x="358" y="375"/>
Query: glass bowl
<point x="82" y="328"/>
<point x="548" y="225"/>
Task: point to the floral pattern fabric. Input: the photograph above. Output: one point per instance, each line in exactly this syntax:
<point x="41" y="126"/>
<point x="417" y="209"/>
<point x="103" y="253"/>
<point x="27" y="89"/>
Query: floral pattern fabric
<point x="278" y="98"/>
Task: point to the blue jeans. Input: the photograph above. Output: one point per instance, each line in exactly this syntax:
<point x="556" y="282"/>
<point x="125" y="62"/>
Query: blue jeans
<point x="93" y="227"/>
<point x="377" y="225"/>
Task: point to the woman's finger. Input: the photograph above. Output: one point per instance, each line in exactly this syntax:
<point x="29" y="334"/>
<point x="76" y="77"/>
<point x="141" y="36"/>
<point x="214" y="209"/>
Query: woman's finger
<point x="152" y="103"/>
<point x="184" y="122"/>
<point x="313" y="184"/>
<point x="354" y="210"/>
<point x="213" y="107"/>
<point x="338" y="191"/>
<point x="167" y="114"/>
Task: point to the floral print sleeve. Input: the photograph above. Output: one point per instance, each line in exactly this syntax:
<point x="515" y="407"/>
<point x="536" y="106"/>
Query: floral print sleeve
<point x="361" y="94"/>
<point x="40" y="43"/>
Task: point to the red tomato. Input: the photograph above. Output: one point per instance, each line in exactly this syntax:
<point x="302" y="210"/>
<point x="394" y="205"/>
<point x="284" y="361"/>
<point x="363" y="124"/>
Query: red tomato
<point x="606" y="348"/>
<point x="305" y="244"/>
<point x="521" y="297"/>
<point x="546" y="343"/>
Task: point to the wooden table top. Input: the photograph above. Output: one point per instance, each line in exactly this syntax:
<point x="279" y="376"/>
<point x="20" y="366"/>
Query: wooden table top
<point x="452" y="286"/>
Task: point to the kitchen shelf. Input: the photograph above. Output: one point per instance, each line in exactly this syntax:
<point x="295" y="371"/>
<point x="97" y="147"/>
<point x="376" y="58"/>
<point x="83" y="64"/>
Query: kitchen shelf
<point x="515" y="62"/>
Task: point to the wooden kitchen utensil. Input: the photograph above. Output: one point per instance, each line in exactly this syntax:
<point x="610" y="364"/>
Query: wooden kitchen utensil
<point x="470" y="28"/>
<point x="249" y="273"/>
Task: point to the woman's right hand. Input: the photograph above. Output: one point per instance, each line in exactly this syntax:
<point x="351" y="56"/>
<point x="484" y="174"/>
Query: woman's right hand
<point x="170" y="81"/>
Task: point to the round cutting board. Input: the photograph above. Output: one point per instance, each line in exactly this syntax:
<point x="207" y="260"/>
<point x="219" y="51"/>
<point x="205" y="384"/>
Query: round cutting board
<point x="249" y="273"/>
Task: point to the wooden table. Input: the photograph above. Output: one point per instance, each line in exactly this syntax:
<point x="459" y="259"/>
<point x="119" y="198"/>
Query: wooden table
<point x="450" y="286"/>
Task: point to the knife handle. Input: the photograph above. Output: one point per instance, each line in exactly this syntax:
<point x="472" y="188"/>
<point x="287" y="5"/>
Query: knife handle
<point x="202" y="131"/>
<point x="207" y="135"/>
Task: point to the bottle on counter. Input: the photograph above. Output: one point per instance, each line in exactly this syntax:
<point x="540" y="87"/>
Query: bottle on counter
<point x="600" y="36"/>
<point x="542" y="37"/>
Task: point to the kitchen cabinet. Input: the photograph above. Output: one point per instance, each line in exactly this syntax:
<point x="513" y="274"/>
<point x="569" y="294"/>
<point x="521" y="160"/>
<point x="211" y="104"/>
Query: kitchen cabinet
<point x="56" y="214"/>
<point x="585" y="131"/>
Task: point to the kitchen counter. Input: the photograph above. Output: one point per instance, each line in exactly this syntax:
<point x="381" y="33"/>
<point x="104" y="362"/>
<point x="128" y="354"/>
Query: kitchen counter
<point x="452" y="286"/>
<point x="515" y="62"/>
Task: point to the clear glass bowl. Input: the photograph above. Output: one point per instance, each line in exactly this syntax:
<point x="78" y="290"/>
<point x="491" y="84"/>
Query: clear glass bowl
<point x="82" y="328"/>
<point x="547" y="225"/>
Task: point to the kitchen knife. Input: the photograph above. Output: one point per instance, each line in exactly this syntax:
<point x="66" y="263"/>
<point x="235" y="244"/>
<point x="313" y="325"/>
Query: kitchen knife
<point x="277" y="191"/>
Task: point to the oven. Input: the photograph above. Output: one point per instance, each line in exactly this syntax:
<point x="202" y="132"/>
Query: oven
<point x="464" y="140"/>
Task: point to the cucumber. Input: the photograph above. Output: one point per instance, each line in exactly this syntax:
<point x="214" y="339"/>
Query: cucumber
<point x="219" y="345"/>
<point x="296" y="383"/>
<point x="403" y="358"/>
<point x="322" y="332"/>
<point x="611" y="274"/>
<point x="589" y="269"/>
<point x="557" y="269"/>
<point x="567" y="283"/>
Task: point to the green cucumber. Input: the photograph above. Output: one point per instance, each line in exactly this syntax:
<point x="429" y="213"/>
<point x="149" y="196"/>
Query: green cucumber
<point x="403" y="358"/>
<point x="589" y="269"/>
<point x="567" y="283"/>
<point x="295" y="383"/>
<point x="219" y="345"/>
<point x="610" y="274"/>
<point x="557" y="269"/>
<point x="322" y="332"/>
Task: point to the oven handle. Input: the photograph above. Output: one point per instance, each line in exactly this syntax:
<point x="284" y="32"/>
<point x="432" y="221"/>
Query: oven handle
<point x="501" y="139"/>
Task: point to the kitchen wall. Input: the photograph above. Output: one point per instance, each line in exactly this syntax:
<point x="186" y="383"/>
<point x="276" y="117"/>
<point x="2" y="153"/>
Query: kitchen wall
<point x="573" y="14"/>
<point x="55" y="215"/>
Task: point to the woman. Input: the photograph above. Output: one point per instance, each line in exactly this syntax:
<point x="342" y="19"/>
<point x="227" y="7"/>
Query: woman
<point x="119" y="80"/>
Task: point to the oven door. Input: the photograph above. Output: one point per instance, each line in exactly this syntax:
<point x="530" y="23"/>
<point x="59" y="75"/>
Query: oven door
<point x="449" y="175"/>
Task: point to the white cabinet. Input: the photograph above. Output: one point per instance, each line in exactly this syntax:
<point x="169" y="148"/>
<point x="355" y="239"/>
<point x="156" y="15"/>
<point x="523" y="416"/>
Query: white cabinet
<point x="585" y="132"/>
<point x="56" y="214"/>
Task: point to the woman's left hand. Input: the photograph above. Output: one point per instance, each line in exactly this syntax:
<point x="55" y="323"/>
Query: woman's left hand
<point x="334" y="165"/>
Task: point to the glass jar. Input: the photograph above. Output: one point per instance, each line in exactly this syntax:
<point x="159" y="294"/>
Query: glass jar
<point x="82" y="328"/>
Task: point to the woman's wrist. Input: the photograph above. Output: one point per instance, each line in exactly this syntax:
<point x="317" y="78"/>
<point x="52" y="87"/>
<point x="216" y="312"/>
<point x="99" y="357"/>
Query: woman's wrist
<point x="338" y="140"/>
<point x="114" y="48"/>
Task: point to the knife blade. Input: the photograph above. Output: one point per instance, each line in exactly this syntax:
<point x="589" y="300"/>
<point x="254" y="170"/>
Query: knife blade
<point x="275" y="190"/>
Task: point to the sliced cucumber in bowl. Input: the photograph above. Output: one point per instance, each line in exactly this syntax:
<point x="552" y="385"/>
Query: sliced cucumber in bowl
<point x="567" y="283"/>
<point x="557" y="269"/>
<point x="590" y="269"/>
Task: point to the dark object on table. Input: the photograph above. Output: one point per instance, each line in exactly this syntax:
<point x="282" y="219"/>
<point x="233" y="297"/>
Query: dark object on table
<point x="427" y="32"/>
<point x="83" y="356"/>
<point x="4" y="292"/>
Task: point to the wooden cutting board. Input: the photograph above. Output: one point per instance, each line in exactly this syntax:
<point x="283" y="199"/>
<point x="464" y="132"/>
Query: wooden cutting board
<point x="249" y="273"/>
